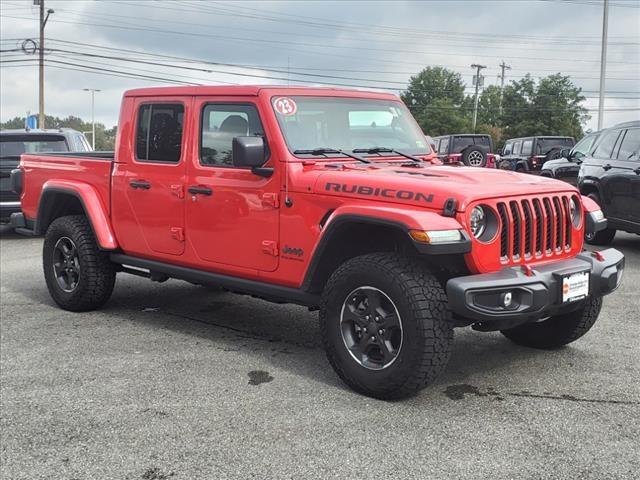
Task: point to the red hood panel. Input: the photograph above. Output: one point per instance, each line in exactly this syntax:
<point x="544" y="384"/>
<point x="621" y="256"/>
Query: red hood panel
<point x="431" y="186"/>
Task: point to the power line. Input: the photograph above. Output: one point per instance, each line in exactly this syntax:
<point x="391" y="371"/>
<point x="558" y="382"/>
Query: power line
<point x="306" y="44"/>
<point x="267" y="67"/>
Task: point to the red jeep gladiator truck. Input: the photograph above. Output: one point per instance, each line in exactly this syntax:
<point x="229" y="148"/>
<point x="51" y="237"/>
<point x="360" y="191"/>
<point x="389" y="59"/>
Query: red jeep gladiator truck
<point x="326" y="198"/>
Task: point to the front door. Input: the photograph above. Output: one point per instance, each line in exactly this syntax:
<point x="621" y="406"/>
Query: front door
<point x="150" y="185"/>
<point x="232" y="213"/>
<point x="624" y="177"/>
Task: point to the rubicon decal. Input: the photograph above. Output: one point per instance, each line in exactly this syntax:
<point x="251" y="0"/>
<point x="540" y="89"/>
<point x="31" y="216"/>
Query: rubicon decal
<point x="379" y="192"/>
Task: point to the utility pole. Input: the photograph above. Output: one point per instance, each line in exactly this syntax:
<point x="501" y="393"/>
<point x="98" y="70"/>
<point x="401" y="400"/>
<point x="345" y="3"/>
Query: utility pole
<point x="603" y="63"/>
<point x="43" y="22"/>
<point x="93" y="118"/>
<point x="503" y="66"/>
<point x="478" y="79"/>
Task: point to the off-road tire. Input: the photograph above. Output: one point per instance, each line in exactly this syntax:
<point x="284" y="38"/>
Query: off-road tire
<point x="97" y="274"/>
<point x="559" y="330"/>
<point x="467" y="152"/>
<point x="604" y="237"/>
<point x="423" y="308"/>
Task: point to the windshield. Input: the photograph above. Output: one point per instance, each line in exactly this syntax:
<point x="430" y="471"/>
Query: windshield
<point x="14" y="145"/>
<point x="543" y="145"/>
<point x="463" y="141"/>
<point x="312" y="123"/>
<point x="583" y="147"/>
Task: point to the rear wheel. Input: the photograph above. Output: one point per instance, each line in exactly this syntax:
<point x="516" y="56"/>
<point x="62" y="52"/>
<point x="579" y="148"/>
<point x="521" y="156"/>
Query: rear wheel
<point x="558" y="330"/>
<point x="79" y="275"/>
<point x="474" y="157"/>
<point x="605" y="237"/>
<point x="385" y="325"/>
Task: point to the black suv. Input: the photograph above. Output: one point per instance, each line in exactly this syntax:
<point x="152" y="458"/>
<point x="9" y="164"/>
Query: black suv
<point x="610" y="175"/>
<point x="528" y="154"/>
<point x="471" y="149"/>
<point x="13" y="143"/>
<point x="567" y="167"/>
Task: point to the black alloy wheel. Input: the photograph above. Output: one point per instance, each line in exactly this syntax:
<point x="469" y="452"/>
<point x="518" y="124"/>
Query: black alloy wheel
<point x="66" y="264"/>
<point x="371" y="328"/>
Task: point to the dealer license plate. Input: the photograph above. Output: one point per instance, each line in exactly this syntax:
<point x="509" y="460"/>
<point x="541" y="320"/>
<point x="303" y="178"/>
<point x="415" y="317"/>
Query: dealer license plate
<point x="575" y="287"/>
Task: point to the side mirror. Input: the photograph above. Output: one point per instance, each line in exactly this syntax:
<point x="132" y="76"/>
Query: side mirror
<point x="565" y="153"/>
<point x="250" y="152"/>
<point x="507" y="151"/>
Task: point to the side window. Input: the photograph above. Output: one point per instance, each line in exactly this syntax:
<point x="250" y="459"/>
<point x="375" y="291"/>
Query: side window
<point x="444" y="145"/>
<point x="604" y="149"/>
<point x="527" y="147"/>
<point x="630" y="148"/>
<point x="516" y="148"/>
<point x="159" y="132"/>
<point x="221" y="123"/>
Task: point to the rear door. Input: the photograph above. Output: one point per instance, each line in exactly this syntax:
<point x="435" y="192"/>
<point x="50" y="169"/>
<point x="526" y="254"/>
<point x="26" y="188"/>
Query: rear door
<point x="149" y="187"/>
<point x="232" y="213"/>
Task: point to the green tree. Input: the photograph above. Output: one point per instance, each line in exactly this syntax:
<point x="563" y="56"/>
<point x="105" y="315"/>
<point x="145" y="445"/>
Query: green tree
<point x="489" y="106"/>
<point x="551" y="107"/>
<point x="436" y="98"/>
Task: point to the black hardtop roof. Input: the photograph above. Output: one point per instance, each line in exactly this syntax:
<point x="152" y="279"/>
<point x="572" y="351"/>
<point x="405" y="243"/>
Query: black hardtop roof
<point x="539" y="136"/>
<point x="463" y="135"/>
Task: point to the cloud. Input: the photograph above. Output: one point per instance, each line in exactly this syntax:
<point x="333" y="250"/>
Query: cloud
<point x="367" y="43"/>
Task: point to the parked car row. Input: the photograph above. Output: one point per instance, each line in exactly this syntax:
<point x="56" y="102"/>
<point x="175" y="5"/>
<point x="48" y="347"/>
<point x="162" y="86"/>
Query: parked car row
<point x="529" y="154"/>
<point x="14" y="143"/>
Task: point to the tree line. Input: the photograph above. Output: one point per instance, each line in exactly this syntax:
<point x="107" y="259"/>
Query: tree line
<point x="551" y="106"/>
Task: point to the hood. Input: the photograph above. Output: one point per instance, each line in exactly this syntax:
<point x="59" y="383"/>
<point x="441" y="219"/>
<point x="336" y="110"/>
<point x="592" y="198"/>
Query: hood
<point x="430" y="186"/>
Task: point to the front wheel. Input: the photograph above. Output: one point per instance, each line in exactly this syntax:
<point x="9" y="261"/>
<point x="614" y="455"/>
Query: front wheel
<point x="385" y="325"/>
<point x="559" y="330"/>
<point x="79" y="275"/>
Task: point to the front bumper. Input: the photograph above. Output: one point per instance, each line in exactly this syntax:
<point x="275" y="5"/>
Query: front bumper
<point x="536" y="292"/>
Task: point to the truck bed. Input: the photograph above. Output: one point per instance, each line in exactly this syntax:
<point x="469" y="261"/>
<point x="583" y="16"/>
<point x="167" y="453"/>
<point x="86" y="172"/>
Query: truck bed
<point x="93" y="168"/>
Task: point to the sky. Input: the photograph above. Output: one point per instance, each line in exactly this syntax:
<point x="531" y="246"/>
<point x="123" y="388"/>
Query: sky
<point x="115" y="45"/>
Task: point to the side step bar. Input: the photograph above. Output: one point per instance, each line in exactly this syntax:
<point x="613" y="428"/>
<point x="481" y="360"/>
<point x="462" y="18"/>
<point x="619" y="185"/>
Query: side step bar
<point x="266" y="291"/>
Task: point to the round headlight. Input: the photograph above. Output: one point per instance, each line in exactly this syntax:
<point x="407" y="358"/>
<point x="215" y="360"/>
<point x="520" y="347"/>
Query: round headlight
<point x="478" y="221"/>
<point x="574" y="211"/>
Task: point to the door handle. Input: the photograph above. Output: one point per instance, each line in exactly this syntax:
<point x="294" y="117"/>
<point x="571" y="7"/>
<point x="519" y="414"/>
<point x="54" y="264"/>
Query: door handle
<point x="607" y="166"/>
<point x="200" y="190"/>
<point x="143" y="184"/>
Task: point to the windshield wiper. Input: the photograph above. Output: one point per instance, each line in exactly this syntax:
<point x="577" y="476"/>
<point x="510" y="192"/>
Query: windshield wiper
<point x="380" y="150"/>
<point x="326" y="151"/>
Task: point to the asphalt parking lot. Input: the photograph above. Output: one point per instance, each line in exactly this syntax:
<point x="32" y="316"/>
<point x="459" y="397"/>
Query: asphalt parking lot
<point x="173" y="381"/>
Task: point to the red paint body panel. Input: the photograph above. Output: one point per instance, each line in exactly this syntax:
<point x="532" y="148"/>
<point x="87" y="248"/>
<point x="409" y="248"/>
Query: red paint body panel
<point x="88" y="178"/>
<point x="245" y="228"/>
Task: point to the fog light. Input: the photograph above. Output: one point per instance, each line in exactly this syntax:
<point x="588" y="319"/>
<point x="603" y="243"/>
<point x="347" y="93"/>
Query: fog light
<point x="507" y="298"/>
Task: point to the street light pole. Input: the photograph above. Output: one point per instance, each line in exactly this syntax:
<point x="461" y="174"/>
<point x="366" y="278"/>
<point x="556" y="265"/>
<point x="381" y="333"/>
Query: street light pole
<point x="93" y="118"/>
<point x="475" y="108"/>
<point x="43" y="22"/>
<point x="603" y="63"/>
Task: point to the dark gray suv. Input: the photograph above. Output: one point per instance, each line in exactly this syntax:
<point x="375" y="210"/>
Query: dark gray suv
<point x="13" y="143"/>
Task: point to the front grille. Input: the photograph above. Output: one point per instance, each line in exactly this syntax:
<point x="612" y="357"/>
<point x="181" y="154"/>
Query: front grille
<point x="538" y="227"/>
